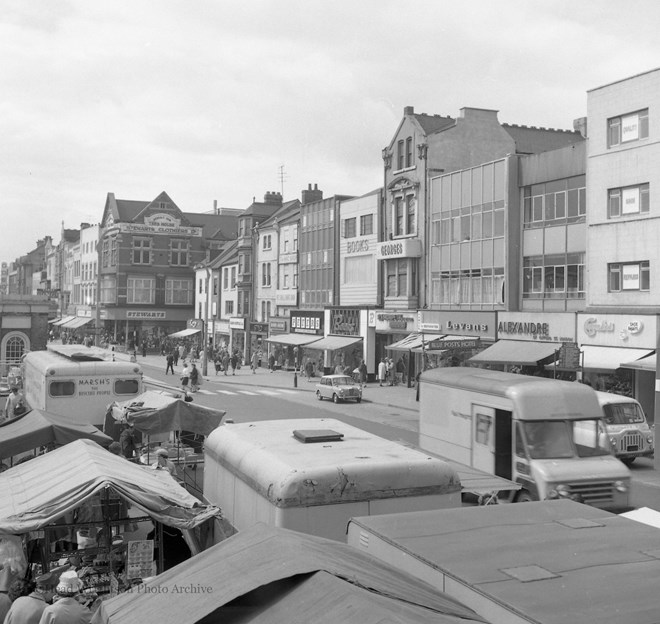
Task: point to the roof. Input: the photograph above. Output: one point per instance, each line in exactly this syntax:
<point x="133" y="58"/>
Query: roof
<point x="215" y="226"/>
<point x="37" y="428"/>
<point x="534" y="140"/>
<point x="302" y="578"/>
<point x="228" y="255"/>
<point x="433" y="123"/>
<point x="571" y="568"/>
<point x="38" y="492"/>
<point x="360" y="467"/>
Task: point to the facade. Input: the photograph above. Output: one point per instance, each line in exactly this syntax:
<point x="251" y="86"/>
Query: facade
<point x="23" y="327"/>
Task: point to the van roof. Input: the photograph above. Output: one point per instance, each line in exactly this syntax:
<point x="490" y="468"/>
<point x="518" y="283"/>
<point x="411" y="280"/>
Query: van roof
<point x="604" y="398"/>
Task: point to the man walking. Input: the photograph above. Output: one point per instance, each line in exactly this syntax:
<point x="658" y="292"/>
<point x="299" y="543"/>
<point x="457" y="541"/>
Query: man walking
<point x="382" y="371"/>
<point x="170" y="363"/>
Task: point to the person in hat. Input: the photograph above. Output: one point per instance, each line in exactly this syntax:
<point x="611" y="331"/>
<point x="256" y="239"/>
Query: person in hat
<point x="163" y="462"/>
<point x="127" y="441"/>
<point x="13" y="401"/>
<point x="28" y="609"/>
<point x="66" y="609"/>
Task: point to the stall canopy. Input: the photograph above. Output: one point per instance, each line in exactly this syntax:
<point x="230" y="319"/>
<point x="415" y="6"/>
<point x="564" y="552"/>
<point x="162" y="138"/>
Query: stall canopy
<point x="303" y="578"/>
<point x="295" y="340"/>
<point x="610" y="358"/>
<point x="40" y="491"/>
<point x="414" y="341"/>
<point x="522" y="352"/>
<point x="154" y="412"/>
<point x="37" y="428"/>
<point x="647" y="363"/>
<point x="184" y="333"/>
<point x="76" y="322"/>
<point x="332" y="343"/>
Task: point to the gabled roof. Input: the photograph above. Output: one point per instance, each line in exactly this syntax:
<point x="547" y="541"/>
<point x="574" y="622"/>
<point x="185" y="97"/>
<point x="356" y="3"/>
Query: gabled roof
<point x="433" y="123"/>
<point x="215" y="226"/>
<point x="288" y="211"/>
<point x="534" y="140"/>
<point x="229" y="255"/>
<point x="303" y="578"/>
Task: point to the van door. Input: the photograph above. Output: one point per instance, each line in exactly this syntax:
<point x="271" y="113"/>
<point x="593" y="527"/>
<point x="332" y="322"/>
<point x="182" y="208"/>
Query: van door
<point x="483" y="438"/>
<point x="503" y="444"/>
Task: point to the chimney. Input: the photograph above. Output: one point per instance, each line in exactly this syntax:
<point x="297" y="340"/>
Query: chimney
<point x="408" y="110"/>
<point x="273" y="198"/>
<point x="580" y="125"/>
<point x="215" y="206"/>
<point x="310" y="194"/>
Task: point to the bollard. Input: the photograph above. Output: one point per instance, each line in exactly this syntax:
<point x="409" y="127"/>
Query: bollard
<point x="295" y="378"/>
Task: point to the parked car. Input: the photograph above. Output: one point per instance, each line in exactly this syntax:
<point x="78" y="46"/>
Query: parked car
<point x="4" y="387"/>
<point x="338" y="388"/>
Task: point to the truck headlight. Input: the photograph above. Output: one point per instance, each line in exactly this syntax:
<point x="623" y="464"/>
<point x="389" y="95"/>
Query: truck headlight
<point x="621" y="486"/>
<point x="613" y="442"/>
<point x="649" y="439"/>
<point x="559" y="491"/>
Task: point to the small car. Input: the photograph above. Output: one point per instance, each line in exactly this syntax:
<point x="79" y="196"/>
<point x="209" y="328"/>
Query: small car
<point x="339" y="388"/>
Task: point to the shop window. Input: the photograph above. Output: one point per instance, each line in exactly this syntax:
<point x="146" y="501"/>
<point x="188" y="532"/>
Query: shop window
<point x="628" y="128"/>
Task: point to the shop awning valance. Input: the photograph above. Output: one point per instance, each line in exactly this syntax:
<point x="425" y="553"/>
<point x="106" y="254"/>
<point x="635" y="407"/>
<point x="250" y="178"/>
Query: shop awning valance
<point x="521" y="352"/>
<point x="63" y="320"/>
<point x="647" y="363"/>
<point x="295" y="340"/>
<point x="184" y="333"/>
<point x="610" y="358"/>
<point x="77" y="321"/>
<point x="414" y="341"/>
<point x="332" y="343"/>
<point x="53" y="321"/>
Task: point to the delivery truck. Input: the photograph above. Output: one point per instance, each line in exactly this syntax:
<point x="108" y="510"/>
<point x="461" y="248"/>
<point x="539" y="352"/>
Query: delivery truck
<point x="544" y="434"/>
<point x="78" y="382"/>
<point x="313" y="475"/>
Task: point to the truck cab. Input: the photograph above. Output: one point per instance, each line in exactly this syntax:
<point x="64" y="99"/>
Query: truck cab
<point x="628" y="431"/>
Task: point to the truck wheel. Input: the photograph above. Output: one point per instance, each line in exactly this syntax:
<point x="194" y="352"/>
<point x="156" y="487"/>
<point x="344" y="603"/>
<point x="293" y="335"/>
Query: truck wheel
<point x="628" y="460"/>
<point x="335" y="398"/>
<point x="524" y="497"/>
<point x="318" y="395"/>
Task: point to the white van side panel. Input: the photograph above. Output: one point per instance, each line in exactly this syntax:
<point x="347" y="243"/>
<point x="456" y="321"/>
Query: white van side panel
<point x="445" y="420"/>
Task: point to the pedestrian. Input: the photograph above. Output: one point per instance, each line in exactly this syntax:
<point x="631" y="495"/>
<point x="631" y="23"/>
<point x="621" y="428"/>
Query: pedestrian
<point x="382" y="371"/>
<point x="28" y="609"/>
<point x="170" y="363"/>
<point x="234" y="362"/>
<point x="144" y="348"/>
<point x="194" y="378"/>
<point x="362" y="369"/>
<point x="182" y="352"/>
<point x="309" y="369"/>
<point x="67" y="609"/>
<point x="271" y="362"/>
<point x="175" y="353"/>
<point x="390" y="371"/>
<point x="127" y="441"/>
<point x="254" y="362"/>
<point x="401" y="370"/>
<point x="163" y="462"/>
<point x="185" y="377"/>
<point x="13" y="403"/>
<point x="225" y="362"/>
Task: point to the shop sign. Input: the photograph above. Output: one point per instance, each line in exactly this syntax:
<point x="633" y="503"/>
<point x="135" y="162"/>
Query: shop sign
<point x="453" y="344"/>
<point x="194" y="323"/>
<point x="548" y="327"/>
<point x="358" y="246"/>
<point x="393" y="321"/>
<point x="593" y="326"/>
<point x="569" y="356"/>
<point x="286" y="297"/>
<point x="145" y="314"/>
<point x="258" y="328"/>
<point x="617" y="330"/>
<point x="237" y="322"/>
<point x="307" y="322"/>
<point x="629" y="128"/>
<point x="480" y="324"/>
<point x="403" y="248"/>
<point x="288" y="258"/>
<point x="278" y="326"/>
<point x="160" y="224"/>
<point x="345" y="322"/>
<point x="630" y="275"/>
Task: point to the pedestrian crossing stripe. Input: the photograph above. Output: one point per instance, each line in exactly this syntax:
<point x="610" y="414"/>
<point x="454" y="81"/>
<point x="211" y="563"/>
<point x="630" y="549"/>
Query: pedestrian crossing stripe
<point x="248" y="393"/>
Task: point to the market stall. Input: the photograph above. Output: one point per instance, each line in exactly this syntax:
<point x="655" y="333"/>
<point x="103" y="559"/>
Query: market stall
<point x="82" y="506"/>
<point x="37" y="429"/>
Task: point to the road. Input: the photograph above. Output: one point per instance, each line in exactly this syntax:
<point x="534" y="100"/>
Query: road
<point x="264" y="397"/>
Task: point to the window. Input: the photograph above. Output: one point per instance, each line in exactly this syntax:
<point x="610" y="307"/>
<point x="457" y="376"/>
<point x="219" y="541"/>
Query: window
<point x="366" y="225"/>
<point x="179" y="253"/>
<point x="350" y="228"/>
<point x="61" y="388"/>
<point x="404" y="216"/>
<point x="233" y="277"/>
<point x="141" y="251"/>
<point x="409" y="152"/>
<point x="105" y="254"/>
<point x="108" y="289"/>
<point x="267" y="241"/>
<point x="265" y="274"/>
<point x="628" y="200"/>
<point x="400" y="155"/>
<point x="555" y="203"/>
<point x="410" y="215"/>
<point x="225" y="278"/>
<point x="126" y="386"/>
<point x="397" y="278"/>
<point x="178" y="291"/>
<point x="559" y="276"/>
<point x="140" y="290"/>
<point x="627" y="128"/>
<point x="215" y="285"/>
<point x="229" y="307"/>
<point x="628" y="276"/>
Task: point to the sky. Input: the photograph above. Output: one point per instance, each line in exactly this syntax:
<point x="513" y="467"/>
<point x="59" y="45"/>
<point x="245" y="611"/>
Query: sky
<point x="225" y="101"/>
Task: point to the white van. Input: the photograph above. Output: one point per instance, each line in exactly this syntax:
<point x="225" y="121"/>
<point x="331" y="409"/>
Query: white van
<point x="627" y="428"/>
<point x="78" y="382"/>
<point x="545" y="434"/>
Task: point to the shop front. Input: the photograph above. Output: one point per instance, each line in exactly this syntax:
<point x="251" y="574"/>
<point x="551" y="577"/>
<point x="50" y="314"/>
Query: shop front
<point x="276" y="327"/>
<point x="613" y="346"/>
<point x="130" y="328"/>
<point x="257" y="336"/>
<point x="530" y="343"/>
<point x="342" y="349"/>
<point x="221" y="335"/>
<point x="290" y="348"/>
<point x="237" y="341"/>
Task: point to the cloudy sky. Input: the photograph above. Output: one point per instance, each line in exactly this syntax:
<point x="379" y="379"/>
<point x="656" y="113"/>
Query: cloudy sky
<point x="208" y="100"/>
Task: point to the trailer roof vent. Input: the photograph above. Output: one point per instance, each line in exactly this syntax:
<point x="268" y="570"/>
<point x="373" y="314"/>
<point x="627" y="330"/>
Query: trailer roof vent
<point x="317" y="435"/>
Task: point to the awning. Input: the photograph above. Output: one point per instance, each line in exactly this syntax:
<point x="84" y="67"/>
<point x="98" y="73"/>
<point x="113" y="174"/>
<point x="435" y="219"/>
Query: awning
<point x="522" y="352"/>
<point x="64" y="319"/>
<point x="59" y="318"/>
<point x="296" y="340"/>
<point x="77" y="321"/>
<point x="414" y="341"/>
<point x="332" y="343"/>
<point x="647" y="363"/>
<point x="610" y="358"/>
<point x="442" y="343"/>
<point x="184" y="332"/>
